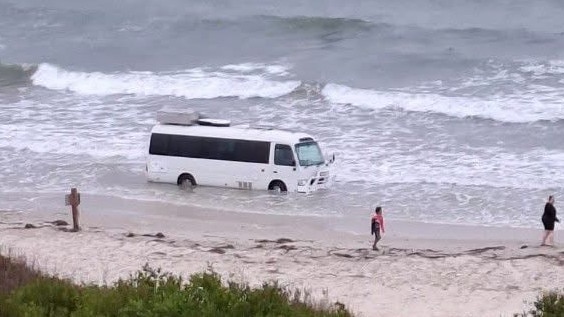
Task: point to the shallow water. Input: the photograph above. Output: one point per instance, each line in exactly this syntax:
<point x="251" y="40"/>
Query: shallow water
<point x="444" y="112"/>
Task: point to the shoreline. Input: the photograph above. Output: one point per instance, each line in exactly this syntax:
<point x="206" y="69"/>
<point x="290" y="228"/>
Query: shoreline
<point x="42" y="202"/>
<point x="430" y="269"/>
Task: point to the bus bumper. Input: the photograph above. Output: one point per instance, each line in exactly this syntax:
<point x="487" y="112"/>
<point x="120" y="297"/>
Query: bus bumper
<point x="321" y="180"/>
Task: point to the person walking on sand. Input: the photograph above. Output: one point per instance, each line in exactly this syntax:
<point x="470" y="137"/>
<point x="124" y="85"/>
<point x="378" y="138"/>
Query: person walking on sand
<point x="377" y="226"/>
<point x="548" y="220"/>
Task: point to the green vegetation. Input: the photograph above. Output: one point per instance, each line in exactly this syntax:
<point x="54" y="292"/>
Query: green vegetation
<point x="25" y="292"/>
<point x="149" y="293"/>
<point x="549" y="304"/>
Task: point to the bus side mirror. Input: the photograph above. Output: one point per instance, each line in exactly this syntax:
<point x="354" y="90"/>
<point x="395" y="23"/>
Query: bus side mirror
<point x="332" y="158"/>
<point x="293" y="163"/>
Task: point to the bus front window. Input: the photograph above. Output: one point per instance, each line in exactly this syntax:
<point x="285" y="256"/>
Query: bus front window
<point x="309" y="154"/>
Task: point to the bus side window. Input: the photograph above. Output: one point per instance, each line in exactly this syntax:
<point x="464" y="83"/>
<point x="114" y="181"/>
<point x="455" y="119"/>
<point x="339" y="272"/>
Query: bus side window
<point x="252" y="151"/>
<point x="283" y="155"/>
<point x="159" y="144"/>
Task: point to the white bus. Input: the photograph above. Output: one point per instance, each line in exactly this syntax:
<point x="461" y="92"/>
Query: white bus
<point x="210" y="152"/>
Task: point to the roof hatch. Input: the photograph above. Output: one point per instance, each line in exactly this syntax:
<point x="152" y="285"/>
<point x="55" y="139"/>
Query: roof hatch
<point x="177" y="116"/>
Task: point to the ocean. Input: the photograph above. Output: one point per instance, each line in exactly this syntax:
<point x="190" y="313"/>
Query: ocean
<point x="440" y="111"/>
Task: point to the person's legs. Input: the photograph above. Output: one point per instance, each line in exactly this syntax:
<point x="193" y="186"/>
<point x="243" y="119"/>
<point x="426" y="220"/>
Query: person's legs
<point x="550" y="238"/>
<point x="376" y="239"/>
<point x="549" y="227"/>
<point x="545" y="237"/>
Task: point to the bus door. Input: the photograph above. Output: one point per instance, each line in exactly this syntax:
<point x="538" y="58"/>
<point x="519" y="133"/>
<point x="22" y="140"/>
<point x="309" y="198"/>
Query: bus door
<point x="285" y="166"/>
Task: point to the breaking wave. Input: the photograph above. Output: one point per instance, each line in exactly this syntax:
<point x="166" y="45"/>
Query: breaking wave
<point x="527" y="97"/>
<point x="500" y="108"/>
<point x="241" y="81"/>
<point x="11" y="75"/>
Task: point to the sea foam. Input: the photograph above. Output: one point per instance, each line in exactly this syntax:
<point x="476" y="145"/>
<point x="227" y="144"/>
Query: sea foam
<point x="504" y="108"/>
<point x="191" y="83"/>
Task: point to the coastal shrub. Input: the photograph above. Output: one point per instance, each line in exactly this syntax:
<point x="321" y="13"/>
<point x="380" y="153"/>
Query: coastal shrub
<point x="14" y="273"/>
<point x="549" y="304"/>
<point x="44" y="296"/>
<point x="153" y="293"/>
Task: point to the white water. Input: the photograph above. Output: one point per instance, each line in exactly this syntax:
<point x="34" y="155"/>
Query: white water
<point x="82" y="131"/>
<point x="504" y="108"/>
<point x="190" y="84"/>
<point x="535" y="102"/>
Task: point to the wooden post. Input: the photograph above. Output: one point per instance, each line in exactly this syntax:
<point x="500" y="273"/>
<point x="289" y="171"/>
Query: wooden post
<point x="73" y="200"/>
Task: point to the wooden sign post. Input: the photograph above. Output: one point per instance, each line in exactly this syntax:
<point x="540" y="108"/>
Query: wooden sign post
<point x="73" y="200"/>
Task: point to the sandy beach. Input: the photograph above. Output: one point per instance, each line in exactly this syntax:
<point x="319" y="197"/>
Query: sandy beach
<point x="422" y="269"/>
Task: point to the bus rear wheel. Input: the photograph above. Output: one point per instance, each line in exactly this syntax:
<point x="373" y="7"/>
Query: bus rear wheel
<point x="277" y="186"/>
<point x="186" y="181"/>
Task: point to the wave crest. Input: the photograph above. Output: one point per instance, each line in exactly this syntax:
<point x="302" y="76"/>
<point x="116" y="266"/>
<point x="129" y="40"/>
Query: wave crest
<point x="322" y="23"/>
<point x="515" y="109"/>
<point x="12" y="75"/>
<point x="517" y="98"/>
<point x="197" y="83"/>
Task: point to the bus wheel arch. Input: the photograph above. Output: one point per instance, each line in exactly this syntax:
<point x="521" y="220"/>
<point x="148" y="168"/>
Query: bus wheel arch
<point x="278" y="186"/>
<point x="186" y="180"/>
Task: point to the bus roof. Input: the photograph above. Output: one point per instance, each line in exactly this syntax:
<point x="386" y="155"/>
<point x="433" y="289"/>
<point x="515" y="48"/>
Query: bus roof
<point x="233" y="132"/>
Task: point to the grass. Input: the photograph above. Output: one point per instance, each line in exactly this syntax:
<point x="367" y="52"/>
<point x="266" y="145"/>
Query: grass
<point x="149" y="293"/>
<point x="548" y="304"/>
<point x="14" y="273"/>
<point x="25" y="292"/>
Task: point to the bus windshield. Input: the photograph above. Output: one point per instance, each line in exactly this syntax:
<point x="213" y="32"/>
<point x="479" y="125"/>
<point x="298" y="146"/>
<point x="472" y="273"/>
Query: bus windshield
<point x="309" y="154"/>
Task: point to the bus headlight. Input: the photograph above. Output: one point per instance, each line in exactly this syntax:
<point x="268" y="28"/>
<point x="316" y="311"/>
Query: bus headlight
<point x="302" y="182"/>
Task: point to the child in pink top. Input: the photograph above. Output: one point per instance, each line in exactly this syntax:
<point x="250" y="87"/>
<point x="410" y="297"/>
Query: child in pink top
<point x="377" y="226"/>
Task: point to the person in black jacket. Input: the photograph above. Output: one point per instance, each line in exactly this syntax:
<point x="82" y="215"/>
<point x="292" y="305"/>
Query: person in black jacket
<point x="548" y="220"/>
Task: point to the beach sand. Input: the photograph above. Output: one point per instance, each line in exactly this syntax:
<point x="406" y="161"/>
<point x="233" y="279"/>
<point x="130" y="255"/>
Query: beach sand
<point x="421" y="270"/>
